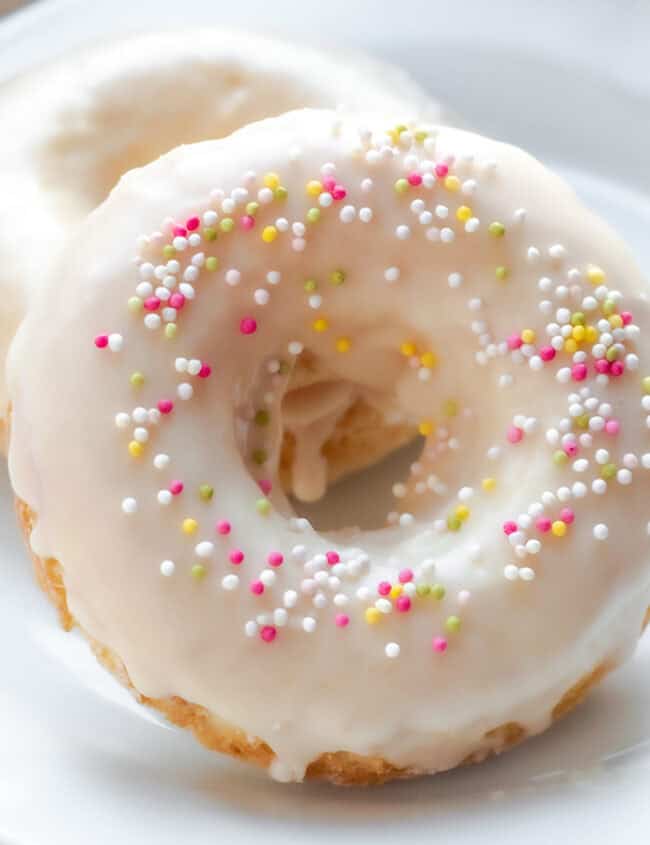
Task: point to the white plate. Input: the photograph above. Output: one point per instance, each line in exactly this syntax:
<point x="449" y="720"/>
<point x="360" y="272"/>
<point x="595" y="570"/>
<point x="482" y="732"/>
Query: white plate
<point x="80" y="762"/>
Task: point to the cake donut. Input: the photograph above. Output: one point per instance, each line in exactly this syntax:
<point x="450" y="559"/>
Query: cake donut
<point x="78" y="123"/>
<point x="447" y="277"/>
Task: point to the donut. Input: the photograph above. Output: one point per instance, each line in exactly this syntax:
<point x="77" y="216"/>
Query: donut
<point x="80" y="122"/>
<point x="446" y="276"/>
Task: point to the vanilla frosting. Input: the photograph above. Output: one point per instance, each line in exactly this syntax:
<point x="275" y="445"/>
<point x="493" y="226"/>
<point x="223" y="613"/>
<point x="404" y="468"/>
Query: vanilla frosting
<point x="73" y="126"/>
<point x="460" y="282"/>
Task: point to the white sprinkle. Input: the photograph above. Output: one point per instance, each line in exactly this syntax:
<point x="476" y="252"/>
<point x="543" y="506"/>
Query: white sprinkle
<point x="122" y="420"/>
<point x="511" y="572"/>
<point x="455" y="280"/>
<point x="402" y="232"/>
<point x="261" y="296"/>
<point x="115" y="342"/>
<point x="447" y="235"/>
<point x="185" y="390"/>
<point x="533" y="547"/>
<point x="599" y="486"/>
<point x="152" y="321"/>
<point x="204" y="549"/>
<point x="230" y="582"/>
<point x="308" y="624"/>
<point x="167" y="568"/>
<point x="194" y="366"/>
<point x="232" y="277"/>
<point x="295" y="347"/>
<point x="251" y="628"/>
<point x="347" y="214"/>
<point x="526" y="573"/>
<point x="161" y="461"/>
<point x="392" y="650"/>
<point x="290" y="598"/>
<point x="273" y="277"/>
<point x="164" y="497"/>
<point x="365" y="214"/>
<point x="129" y="505"/>
<point x="624" y="477"/>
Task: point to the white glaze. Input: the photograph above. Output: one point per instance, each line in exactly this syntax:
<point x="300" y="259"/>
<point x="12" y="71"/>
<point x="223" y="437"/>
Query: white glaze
<point x="72" y="127"/>
<point x="522" y="643"/>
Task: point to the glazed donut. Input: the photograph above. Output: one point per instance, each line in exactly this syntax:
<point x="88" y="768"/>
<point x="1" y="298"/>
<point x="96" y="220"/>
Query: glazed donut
<point x="445" y="276"/>
<point x="79" y="123"/>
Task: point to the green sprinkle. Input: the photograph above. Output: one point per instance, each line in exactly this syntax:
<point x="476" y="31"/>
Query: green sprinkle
<point x="263" y="507"/>
<point x="281" y="193"/>
<point x="169" y="251"/>
<point x="198" y="572"/>
<point x="450" y="408"/>
<point x="560" y="458"/>
<point x="136" y="379"/>
<point x="262" y="417"/>
<point x="582" y="421"/>
<point x="401" y="186"/>
<point x="438" y="591"/>
<point x="496" y="229"/>
<point x="206" y="492"/>
<point x="134" y="304"/>
<point x="609" y="307"/>
<point x="452" y="624"/>
<point x="170" y="331"/>
<point x="608" y="471"/>
<point x="337" y="277"/>
<point x="211" y="263"/>
<point x="313" y="215"/>
<point x="612" y="353"/>
<point x="577" y="318"/>
<point x="501" y="273"/>
<point x="423" y="590"/>
<point x="259" y="456"/>
<point x="453" y="523"/>
<point x="252" y="208"/>
<point x="227" y="224"/>
<point x="210" y="234"/>
<point x="645" y="384"/>
<point x="310" y="285"/>
<point x="421" y="135"/>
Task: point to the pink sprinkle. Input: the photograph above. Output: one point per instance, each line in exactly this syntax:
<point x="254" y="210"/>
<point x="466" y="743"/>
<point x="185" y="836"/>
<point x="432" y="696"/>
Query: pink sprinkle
<point x="514" y="434"/>
<point x="247" y="222"/>
<point x="403" y="604"/>
<point x="405" y="576"/>
<point x="192" y="224"/>
<point x="268" y="633"/>
<point x="616" y="368"/>
<point x="514" y="341"/>
<point x="176" y="487"/>
<point x="177" y="300"/>
<point x="543" y="524"/>
<point x="236" y="556"/>
<point x="101" y="341"/>
<point x="602" y="365"/>
<point x="248" y="325"/>
<point x="414" y="179"/>
<point x="612" y="427"/>
<point x="383" y="588"/>
<point x="579" y="372"/>
<point x="567" y="515"/>
<point x="152" y="303"/>
<point x="165" y="406"/>
<point x="439" y="644"/>
<point x="257" y="588"/>
<point x="339" y="192"/>
<point x="626" y="316"/>
<point x="509" y="527"/>
<point x="224" y="527"/>
<point x="342" y="619"/>
<point x="332" y="557"/>
<point x="265" y="486"/>
<point x="179" y="231"/>
<point x="571" y="448"/>
<point x="275" y="559"/>
<point x="547" y="353"/>
<point x="441" y="171"/>
<point x="329" y="183"/>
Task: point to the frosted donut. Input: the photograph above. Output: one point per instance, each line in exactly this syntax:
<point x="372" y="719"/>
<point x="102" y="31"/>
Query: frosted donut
<point x="448" y="276"/>
<point x="77" y="124"/>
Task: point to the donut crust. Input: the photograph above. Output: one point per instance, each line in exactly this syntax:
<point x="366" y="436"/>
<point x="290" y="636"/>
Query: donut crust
<point x="338" y="767"/>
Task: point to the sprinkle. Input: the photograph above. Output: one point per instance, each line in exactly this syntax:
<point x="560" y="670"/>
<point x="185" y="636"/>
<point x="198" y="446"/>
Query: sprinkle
<point x="392" y="650"/>
<point x="198" y="572"/>
<point x="248" y="325"/>
<point x="268" y="633"/>
<point x="439" y="644"/>
<point x="167" y="568"/>
<point x="601" y="531"/>
<point x="189" y="526"/>
<point x="391" y="274"/>
<point x="129" y="505"/>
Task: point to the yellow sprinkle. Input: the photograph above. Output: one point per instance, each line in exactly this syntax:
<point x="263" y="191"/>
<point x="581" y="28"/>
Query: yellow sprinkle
<point x="271" y="180"/>
<point x="408" y="349"/>
<point x="372" y="615"/>
<point x="591" y="334"/>
<point x="501" y="273"/>
<point x="269" y="234"/>
<point x="528" y="336"/>
<point x="396" y="590"/>
<point x="464" y="213"/>
<point x="616" y="321"/>
<point x="170" y="331"/>
<point x="578" y="333"/>
<point x="320" y="325"/>
<point x="189" y="526"/>
<point x="428" y="360"/>
<point x="426" y="428"/>
<point x="135" y="449"/>
<point x="488" y="484"/>
<point x="570" y="345"/>
<point x="452" y="183"/>
<point x="558" y="528"/>
<point x="462" y="512"/>
<point x="343" y="344"/>
<point x="314" y="188"/>
<point x="137" y="379"/>
<point x="596" y="275"/>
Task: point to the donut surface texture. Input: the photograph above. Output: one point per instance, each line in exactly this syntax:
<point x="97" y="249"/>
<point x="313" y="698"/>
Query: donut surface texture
<point x="446" y="278"/>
